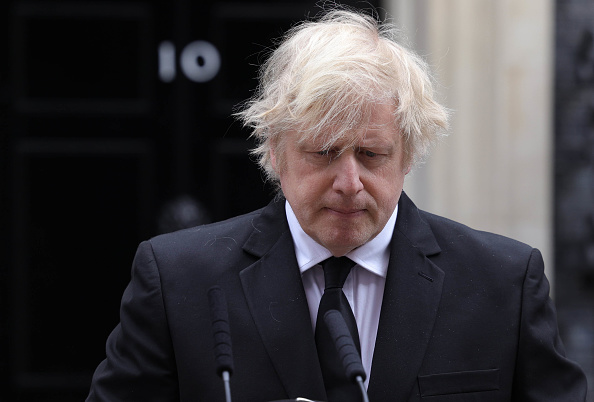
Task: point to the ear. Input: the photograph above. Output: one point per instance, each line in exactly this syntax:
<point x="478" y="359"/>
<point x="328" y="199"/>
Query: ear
<point x="407" y="170"/>
<point x="273" y="159"/>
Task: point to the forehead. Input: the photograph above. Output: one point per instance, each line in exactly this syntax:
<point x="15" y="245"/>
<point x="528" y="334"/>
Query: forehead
<point x="377" y="126"/>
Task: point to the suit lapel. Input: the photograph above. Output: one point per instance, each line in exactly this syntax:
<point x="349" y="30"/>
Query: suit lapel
<point x="277" y="302"/>
<point x="409" y="307"/>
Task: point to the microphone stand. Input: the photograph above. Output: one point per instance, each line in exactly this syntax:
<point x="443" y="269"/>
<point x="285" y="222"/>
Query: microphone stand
<point x="362" y="388"/>
<point x="226" y="378"/>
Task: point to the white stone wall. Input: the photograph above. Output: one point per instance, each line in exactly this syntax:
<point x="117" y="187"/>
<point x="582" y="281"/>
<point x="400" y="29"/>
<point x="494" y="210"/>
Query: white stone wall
<point x="493" y="61"/>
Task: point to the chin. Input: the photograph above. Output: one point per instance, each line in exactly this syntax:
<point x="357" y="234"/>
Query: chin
<point x="348" y="243"/>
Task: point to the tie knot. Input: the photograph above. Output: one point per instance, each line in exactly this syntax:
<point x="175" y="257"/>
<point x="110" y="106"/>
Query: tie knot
<point x="336" y="270"/>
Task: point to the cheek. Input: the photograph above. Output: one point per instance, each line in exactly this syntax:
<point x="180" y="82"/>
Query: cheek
<point x="304" y="190"/>
<point x="386" y="187"/>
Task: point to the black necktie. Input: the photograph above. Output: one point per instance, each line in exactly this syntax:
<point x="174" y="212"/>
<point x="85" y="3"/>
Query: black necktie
<point x="338" y="387"/>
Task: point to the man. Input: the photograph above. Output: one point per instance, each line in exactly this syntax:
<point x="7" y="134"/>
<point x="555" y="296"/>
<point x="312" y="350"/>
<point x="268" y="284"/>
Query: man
<point x="442" y="312"/>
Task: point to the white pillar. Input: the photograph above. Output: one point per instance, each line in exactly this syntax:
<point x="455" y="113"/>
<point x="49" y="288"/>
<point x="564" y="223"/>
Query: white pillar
<point x="493" y="61"/>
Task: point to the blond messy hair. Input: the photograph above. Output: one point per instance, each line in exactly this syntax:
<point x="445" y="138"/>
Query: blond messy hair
<point x="325" y="79"/>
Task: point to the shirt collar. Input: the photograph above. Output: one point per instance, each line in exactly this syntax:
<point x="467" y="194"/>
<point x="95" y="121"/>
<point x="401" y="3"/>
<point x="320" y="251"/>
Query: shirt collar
<point x="373" y="255"/>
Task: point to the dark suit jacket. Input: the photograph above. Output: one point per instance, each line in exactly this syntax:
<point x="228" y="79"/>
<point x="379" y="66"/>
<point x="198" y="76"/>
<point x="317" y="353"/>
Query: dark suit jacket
<point x="466" y="316"/>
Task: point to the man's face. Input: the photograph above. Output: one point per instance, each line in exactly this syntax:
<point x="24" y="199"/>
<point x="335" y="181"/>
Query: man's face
<point x="343" y="201"/>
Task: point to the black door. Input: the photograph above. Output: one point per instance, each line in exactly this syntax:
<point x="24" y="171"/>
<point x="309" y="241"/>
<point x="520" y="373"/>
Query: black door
<point x="114" y="126"/>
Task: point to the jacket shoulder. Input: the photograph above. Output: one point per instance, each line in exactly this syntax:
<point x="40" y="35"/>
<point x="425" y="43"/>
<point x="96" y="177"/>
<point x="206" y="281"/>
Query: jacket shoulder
<point x="210" y="239"/>
<point x="459" y="239"/>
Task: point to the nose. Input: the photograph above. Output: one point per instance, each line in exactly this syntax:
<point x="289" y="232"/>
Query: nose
<point x="347" y="174"/>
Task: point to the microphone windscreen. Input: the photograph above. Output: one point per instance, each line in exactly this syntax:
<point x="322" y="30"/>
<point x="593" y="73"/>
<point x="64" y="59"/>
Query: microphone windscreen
<point x="345" y="346"/>
<point x="220" y="325"/>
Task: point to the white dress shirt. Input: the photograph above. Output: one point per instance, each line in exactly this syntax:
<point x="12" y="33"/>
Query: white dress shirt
<point x="364" y="287"/>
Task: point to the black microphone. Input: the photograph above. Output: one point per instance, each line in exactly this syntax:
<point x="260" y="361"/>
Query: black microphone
<point x="219" y="316"/>
<point x="347" y="351"/>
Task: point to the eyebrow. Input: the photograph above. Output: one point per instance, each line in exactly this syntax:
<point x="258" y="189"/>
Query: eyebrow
<point x="372" y="143"/>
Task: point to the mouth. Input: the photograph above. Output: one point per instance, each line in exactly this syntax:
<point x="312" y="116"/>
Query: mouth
<point x="346" y="212"/>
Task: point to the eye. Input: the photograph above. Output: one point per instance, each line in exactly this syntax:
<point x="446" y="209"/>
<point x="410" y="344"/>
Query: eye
<point x="369" y="154"/>
<point x="328" y="153"/>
